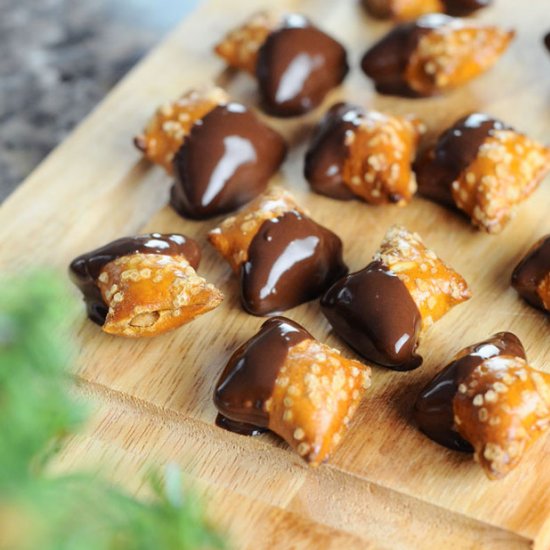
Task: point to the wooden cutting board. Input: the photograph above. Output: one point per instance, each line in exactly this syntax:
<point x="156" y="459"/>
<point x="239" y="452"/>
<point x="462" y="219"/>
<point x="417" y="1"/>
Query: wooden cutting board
<point x="387" y="486"/>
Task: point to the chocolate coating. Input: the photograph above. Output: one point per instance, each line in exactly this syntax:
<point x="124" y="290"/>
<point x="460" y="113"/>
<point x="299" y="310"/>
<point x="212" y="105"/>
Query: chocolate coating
<point x="328" y="151"/>
<point x="297" y="66"/>
<point x="291" y="260"/>
<point x="86" y="268"/>
<point x="459" y="8"/>
<point x="379" y="9"/>
<point x="385" y="62"/>
<point x="530" y="272"/>
<point x="455" y="150"/>
<point x="374" y="313"/>
<point x="433" y="410"/>
<point x="248" y="379"/>
<point x="227" y="160"/>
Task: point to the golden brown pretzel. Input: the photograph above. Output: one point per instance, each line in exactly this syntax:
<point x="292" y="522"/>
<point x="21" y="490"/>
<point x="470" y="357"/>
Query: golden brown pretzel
<point x="172" y="122"/>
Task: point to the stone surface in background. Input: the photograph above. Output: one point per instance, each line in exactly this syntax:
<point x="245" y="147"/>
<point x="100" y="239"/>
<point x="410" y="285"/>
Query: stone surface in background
<point x="58" y="58"/>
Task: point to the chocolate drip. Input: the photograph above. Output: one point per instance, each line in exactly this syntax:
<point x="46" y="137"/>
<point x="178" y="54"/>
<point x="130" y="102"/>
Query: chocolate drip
<point x="455" y="150"/>
<point x="85" y="269"/>
<point x="433" y="410"/>
<point x="386" y="62"/>
<point x="226" y="161"/>
<point x="241" y="428"/>
<point x="460" y="8"/>
<point x="328" y="151"/>
<point x="530" y="272"/>
<point x="248" y="379"/>
<point x="291" y="260"/>
<point x="374" y="313"/>
<point x="297" y="66"/>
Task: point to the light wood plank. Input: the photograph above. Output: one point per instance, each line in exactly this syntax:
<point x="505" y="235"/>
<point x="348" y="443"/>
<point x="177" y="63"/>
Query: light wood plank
<point x="94" y="188"/>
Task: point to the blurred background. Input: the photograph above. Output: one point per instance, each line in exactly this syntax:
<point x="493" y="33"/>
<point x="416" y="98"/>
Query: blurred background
<point x="58" y="59"/>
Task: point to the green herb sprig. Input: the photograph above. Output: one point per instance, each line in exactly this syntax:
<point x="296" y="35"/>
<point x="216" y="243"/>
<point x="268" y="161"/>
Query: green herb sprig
<point x="37" y="410"/>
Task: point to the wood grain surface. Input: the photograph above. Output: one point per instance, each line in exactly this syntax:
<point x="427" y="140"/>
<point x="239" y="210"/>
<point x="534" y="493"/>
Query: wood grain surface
<point x="387" y="486"/>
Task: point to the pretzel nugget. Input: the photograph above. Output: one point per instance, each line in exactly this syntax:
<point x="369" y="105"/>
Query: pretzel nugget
<point x="220" y="153"/>
<point x="368" y="155"/>
<point x="282" y="256"/>
<point x="296" y="64"/>
<point x="382" y="310"/>
<point x="411" y="9"/>
<point x="484" y="168"/>
<point x="285" y="381"/>
<point x="234" y="235"/>
<point x="488" y="401"/>
<point x="240" y="47"/>
<point x="172" y="123"/>
<point x="432" y="55"/>
<point x="531" y="277"/>
<point x="144" y="286"/>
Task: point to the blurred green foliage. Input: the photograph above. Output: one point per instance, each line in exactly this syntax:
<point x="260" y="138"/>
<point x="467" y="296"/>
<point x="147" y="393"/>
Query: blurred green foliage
<point x="77" y="511"/>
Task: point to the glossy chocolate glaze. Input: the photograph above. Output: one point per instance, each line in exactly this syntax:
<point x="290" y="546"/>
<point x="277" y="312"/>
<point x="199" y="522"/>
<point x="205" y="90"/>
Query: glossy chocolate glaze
<point x="433" y="410"/>
<point x="374" y="313"/>
<point x="460" y="8"/>
<point x="248" y="379"/>
<point x="381" y="9"/>
<point x="227" y="160"/>
<point x="455" y="150"/>
<point x="291" y="260"/>
<point x="85" y="269"/>
<point x="297" y="66"/>
<point x="385" y="62"/>
<point x="529" y="273"/>
<point x="328" y="151"/>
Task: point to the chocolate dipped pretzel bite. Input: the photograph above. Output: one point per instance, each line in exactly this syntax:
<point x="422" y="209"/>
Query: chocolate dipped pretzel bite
<point x="296" y="64"/>
<point x="367" y="155"/>
<point x="432" y="55"/>
<point x="488" y="401"/>
<point x="144" y="285"/>
<point x="221" y="154"/>
<point x="285" y="381"/>
<point x="531" y="277"/>
<point x="283" y="257"/>
<point x="382" y="310"/>
<point x="484" y="168"/>
<point x="411" y="9"/>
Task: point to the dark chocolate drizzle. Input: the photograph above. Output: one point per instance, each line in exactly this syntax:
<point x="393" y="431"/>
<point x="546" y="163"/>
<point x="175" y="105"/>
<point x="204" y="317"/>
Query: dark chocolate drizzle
<point x="455" y="150"/>
<point x="226" y="161"/>
<point x="291" y="260"/>
<point x="374" y="313"/>
<point x="386" y="61"/>
<point x="85" y="269"/>
<point x="297" y="66"/>
<point x="328" y="151"/>
<point x="530" y="272"/>
<point x="433" y="410"/>
<point x="460" y="8"/>
<point x="248" y="379"/>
